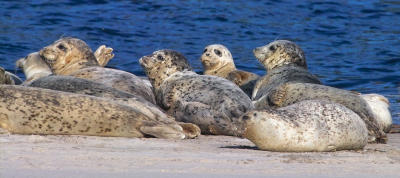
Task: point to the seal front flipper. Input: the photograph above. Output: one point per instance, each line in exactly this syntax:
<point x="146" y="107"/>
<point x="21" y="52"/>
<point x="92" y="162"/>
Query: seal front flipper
<point x="103" y="55"/>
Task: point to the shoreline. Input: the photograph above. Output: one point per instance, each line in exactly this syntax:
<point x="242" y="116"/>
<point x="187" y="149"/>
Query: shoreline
<point x="211" y="156"/>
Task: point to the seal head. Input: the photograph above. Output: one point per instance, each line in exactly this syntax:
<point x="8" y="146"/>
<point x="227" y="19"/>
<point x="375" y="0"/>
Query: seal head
<point x="279" y="53"/>
<point x="68" y="55"/>
<point x="217" y="60"/>
<point x="162" y="64"/>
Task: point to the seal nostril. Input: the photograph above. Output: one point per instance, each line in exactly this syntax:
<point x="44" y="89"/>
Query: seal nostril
<point x="208" y="54"/>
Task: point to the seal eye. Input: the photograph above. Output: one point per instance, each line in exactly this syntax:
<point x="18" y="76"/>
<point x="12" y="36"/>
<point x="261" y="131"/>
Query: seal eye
<point x="159" y="57"/>
<point x="61" y="47"/>
<point x="205" y="50"/>
<point x="218" y="52"/>
<point x="272" y="48"/>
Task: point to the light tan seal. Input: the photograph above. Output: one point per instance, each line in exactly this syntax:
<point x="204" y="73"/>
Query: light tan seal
<point x="288" y="81"/>
<point x="311" y="125"/>
<point x="72" y="56"/>
<point x="213" y="103"/>
<point x="380" y="107"/>
<point x="34" y="66"/>
<point x="217" y="60"/>
<point x="28" y="110"/>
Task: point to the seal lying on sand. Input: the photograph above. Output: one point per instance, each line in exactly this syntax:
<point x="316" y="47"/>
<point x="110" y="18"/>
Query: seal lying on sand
<point x="34" y="66"/>
<point x="211" y="102"/>
<point x="311" y="125"/>
<point x="217" y="60"/>
<point x="288" y="82"/>
<point x="28" y="110"/>
<point x="71" y="56"/>
<point x="86" y="87"/>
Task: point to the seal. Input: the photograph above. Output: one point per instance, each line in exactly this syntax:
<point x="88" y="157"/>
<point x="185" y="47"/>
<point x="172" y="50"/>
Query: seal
<point x="72" y="56"/>
<point x="213" y="103"/>
<point x="288" y="81"/>
<point x="87" y="87"/>
<point x="380" y="107"/>
<point x="311" y="125"/>
<point x="291" y="93"/>
<point x="285" y="62"/>
<point x="217" y="60"/>
<point x="28" y="110"/>
<point x="34" y="67"/>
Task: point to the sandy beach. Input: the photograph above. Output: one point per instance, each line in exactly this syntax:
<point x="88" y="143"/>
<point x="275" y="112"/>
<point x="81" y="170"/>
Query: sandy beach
<point x="206" y="156"/>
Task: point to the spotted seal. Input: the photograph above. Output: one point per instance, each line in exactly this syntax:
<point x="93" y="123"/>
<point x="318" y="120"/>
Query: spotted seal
<point x="212" y="103"/>
<point x="217" y="60"/>
<point x="29" y="110"/>
<point x="72" y="56"/>
<point x="288" y="81"/>
<point x="310" y="125"/>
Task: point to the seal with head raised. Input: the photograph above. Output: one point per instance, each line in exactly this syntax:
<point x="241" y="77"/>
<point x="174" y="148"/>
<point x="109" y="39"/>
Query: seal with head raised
<point x="310" y="125"/>
<point x="29" y="110"/>
<point x="288" y="82"/>
<point x="34" y="66"/>
<point x="217" y="60"/>
<point x="213" y="103"/>
<point x="72" y="56"/>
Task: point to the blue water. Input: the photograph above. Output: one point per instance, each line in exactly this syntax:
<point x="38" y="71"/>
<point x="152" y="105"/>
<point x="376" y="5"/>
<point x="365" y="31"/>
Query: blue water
<point x="349" y="44"/>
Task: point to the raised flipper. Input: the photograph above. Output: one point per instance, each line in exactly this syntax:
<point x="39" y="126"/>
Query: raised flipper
<point x="103" y="55"/>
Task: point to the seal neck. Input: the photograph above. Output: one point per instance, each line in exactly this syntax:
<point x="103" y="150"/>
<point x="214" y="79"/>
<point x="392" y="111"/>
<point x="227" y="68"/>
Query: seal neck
<point x="222" y="71"/>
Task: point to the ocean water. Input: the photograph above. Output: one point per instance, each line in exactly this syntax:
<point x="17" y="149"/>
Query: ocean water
<point x="352" y="44"/>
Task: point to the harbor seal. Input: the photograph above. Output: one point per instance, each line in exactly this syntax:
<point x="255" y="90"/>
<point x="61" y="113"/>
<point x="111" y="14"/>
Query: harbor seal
<point x="311" y="125"/>
<point x="28" y="110"/>
<point x="34" y="66"/>
<point x="211" y="102"/>
<point x="291" y="93"/>
<point x="87" y="87"/>
<point x="217" y="60"/>
<point x="380" y="107"/>
<point x="285" y="62"/>
<point x="72" y="56"/>
<point x="288" y="81"/>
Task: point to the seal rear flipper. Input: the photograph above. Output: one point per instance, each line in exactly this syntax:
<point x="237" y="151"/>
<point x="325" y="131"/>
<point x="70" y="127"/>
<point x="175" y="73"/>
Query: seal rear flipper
<point x="103" y="55"/>
<point x="190" y="130"/>
<point x="162" y="131"/>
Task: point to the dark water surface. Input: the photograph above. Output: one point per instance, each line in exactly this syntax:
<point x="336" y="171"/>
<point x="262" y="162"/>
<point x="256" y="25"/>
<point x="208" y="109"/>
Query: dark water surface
<point x="349" y="44"/>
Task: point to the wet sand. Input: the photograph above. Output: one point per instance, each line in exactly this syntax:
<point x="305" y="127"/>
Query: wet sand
<point x="206" y="156"/>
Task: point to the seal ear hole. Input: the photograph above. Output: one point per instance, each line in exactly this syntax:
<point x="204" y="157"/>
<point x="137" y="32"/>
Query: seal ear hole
<point x="272" y="48"/>
<point x="218" y="52"/>
<point x="62" y="47"/>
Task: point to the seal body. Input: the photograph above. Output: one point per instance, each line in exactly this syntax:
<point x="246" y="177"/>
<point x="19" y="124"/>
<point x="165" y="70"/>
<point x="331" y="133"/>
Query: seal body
<point x="211" y="102"/>
<point x="217" y="60"/>
<point x="72" y="56"/>
<point x="311" y="125"/>
<point x="27" y="110"/>
<point x="87" y="87"/>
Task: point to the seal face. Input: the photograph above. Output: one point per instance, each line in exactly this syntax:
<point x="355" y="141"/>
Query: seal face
<point x="68" y="55"/>
<point x="211" y="102"/>
<point x="217" y="60"/>
<point x="28" y="110"/>
<point x="311" y="125"/>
